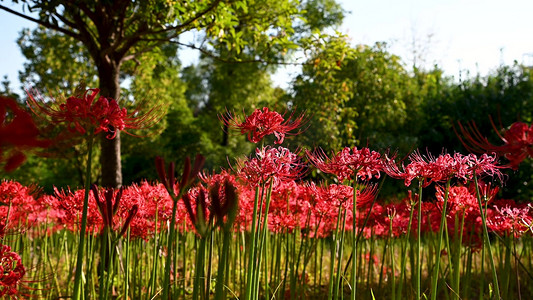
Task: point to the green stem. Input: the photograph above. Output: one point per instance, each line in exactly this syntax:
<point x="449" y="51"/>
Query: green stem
<point x="153" y="278"/>
<point x="81" y="246"/>
<point x="338" y="285"/>
<point x="435" y="279"/>
<point x="199" y="280"/>
<point x="418" y="245"/>
<point x="168" y="262"/>
<point x="263" y="238"/>
<point x="333" y="253"/>
<point x="127" y="266"/>
<point x="253" y="244"/>
<point x="486" y="239"/>
<point x="393" y="267"/>
<point x="404" y="252"/>
<point x="219" y="287"/>
<point x="354" y="240"/>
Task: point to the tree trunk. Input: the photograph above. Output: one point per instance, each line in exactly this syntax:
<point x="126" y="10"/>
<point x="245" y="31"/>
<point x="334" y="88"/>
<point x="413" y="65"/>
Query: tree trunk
<point x="108" y="74"/>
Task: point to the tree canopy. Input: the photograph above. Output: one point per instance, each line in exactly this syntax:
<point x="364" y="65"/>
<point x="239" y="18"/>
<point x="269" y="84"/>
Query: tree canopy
<point x="115" y="32"/>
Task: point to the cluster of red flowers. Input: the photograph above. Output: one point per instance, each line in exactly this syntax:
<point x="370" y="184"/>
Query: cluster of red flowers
<point x="277" y="164"/>
<point x="294" y="206"/>
<point x="444" y="167"/>
<point x="18" y="205"/>
<point x="11" y="271"/>
<point x="347" y="163"/>
<point x="89" y="113"/>
<point x="313" y="209"/>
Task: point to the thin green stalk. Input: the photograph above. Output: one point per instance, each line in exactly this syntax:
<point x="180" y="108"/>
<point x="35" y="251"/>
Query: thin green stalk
<point x="81" y="246"/>
<point x="252" y="250"/>
<point x="184" y="250"/>
<point x="339" y="260"/>
<point x="209" y="263"/>
<point x="487" y="241"/>
<point x="333" y="252"/>
<point x="222" y="263"/>
<point x="170" y="247"/>
<point x="127" y="266"/>
<point x="403" y="261"/>
<point x="482" y="277"/>
<point x="468" y="271"/>
<point x="457" y="257"/>
<point x="153" y="278"/>
<point x="263" y="226"/>
<point x="386" y="244"/>
<point x="516" y="268"/>
<point x="287" y="255"/>
<point x="435" y="279"/>
<point x="393" y="267"/>
<point x="418" y="244"/>
<point x="103" y="261"/>
<point x="353" y="293"/>
<point x="506" y="270"/>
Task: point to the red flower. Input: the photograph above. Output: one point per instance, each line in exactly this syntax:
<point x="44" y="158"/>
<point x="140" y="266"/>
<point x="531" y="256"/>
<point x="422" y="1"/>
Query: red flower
<point x="109" y="208"/>
<point x="278" y="164"/>
<point x="91" y="114"/>
<point x="348" y="162"/>
<point x="262" y="123"/>
<point x="17" y="133"/>
<point x="509" y="217"/>
<point x="459" y="199"/>
<point x="223" y="194"/>
<point x="430" y="169"/>
<point x="484" y="165"/>
<point x="518" y="142"/>
<point x="11" y="271"/>
<point x="196" y="203"/>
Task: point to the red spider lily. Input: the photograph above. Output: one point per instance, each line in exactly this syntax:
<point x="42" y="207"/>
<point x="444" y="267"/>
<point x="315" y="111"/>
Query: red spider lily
<point x="224" y="196"/>
<point x="518" y="142"/>
<point x="484" y="165"/>
<point x="486" y="189"/>
<point x="462" y="205"/>
<point x="442" y="168"/>
<point x="94" y="115"/>
<point x="277" y="164"/>
<point x="71" y="202"/>
<point x="154" y="203"/>
<point x="198" y="213"/>
<point x="17" y="133"/>
<point x="109" y="208"/>
<point x="19" y="207"/>
<point x="425" y="168"/>
<point x="262" y="123"/>
<point x="348" y="162"/>
<point x="290" y="207"/>
<point x="187" y="177"/>
<point x="11" y="271"/>
<point x="460" y="199"/>
<point x="508" y="217"/>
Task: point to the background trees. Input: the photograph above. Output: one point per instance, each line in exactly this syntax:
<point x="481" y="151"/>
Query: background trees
<point x="115" y="33"/>
<point x="356" y="95"/>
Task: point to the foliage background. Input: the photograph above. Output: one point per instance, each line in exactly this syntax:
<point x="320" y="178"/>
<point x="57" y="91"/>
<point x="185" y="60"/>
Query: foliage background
<point x="355" y="96"/>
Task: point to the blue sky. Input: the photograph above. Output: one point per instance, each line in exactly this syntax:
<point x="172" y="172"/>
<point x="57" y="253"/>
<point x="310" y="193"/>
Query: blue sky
<point x="474" y="35"/>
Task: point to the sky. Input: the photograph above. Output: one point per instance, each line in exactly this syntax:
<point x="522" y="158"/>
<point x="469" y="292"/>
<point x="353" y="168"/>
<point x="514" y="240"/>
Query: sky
<point x="474" y="36"/>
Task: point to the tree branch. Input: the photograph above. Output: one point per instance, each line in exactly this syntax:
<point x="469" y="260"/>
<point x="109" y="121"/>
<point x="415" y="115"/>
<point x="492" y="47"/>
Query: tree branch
<point x="184" y="25"/>
<point x="234" y="61"/>
<point x="42" y="23"/>
<point x="85" y="36"/>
